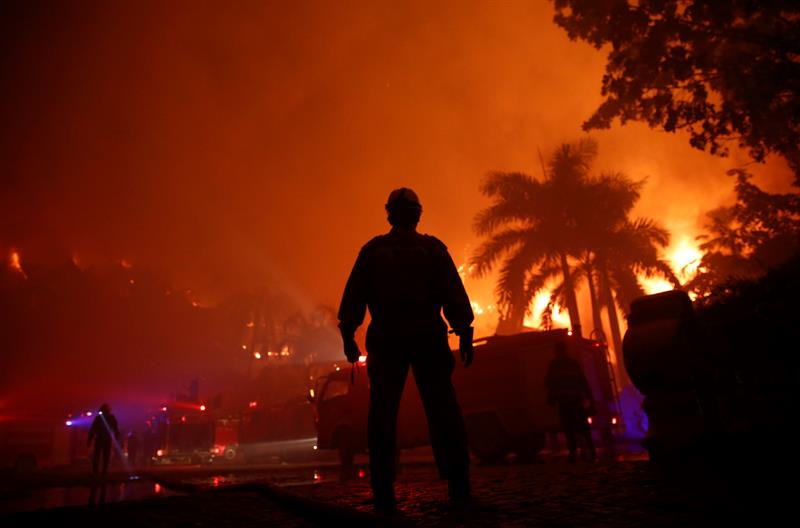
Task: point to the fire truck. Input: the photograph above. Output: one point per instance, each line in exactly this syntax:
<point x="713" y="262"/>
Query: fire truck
<point x="184" y="434"/>
<point x="502" y="395"/>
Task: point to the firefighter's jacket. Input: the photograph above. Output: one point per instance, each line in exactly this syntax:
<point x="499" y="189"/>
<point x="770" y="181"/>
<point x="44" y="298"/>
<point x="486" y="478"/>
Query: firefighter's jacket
<point x="104" y="429"/>
<point x="407" y="280"/>
<point x="565" y="380"/>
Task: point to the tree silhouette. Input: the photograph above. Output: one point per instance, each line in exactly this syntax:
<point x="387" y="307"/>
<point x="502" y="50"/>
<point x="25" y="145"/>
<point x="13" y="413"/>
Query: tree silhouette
<point x="722" y="71"/>
<point x="759" y="232"/>
<point x="534" y="225"/>
<point x="568" y="228"/>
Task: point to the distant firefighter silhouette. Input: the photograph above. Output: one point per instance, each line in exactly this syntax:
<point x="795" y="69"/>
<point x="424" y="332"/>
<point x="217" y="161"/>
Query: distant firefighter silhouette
<point x="568" y="388"/>
<point x="104" y="432"/>
<point x="407" y="280"/>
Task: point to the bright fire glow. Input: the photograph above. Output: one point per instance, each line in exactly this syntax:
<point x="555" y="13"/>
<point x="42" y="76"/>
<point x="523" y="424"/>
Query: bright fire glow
<point x="560" y="317"/>
<point x="653" y="285"/>
<point x="684" y="258"/>
<point x="15" y="264"/>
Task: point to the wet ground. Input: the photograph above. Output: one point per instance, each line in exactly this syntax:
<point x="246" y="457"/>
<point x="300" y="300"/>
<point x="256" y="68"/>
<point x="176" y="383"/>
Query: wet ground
<point x="550" y="492"/>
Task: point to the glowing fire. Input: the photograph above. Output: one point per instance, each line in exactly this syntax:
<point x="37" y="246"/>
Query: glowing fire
<point x="560" y="317"/>
<point x="479" y="309"/>
<point x="684" y="259"/>
<point x="15" y="264"/>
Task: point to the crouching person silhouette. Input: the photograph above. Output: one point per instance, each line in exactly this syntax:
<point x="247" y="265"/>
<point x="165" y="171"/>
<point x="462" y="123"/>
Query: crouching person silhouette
<point x="407" y="280"/>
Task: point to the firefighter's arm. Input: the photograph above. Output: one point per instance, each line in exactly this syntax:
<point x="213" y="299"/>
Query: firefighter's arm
<point x="353" y="306"/>
<point x="456" y="306"/>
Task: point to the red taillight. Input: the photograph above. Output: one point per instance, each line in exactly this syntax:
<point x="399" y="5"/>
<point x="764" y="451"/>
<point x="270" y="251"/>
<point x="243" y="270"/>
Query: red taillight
<point x="614" y="421"/>
<point x="202" y="407"/>
<point x="589" y="420"/>
<point x="252" y="404"/>
<point x="160" y="452"/>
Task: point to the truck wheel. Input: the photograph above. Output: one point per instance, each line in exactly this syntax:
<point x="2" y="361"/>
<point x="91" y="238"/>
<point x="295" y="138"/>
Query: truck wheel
<point x="346" y="447"/>
<point x="488" y="439"/>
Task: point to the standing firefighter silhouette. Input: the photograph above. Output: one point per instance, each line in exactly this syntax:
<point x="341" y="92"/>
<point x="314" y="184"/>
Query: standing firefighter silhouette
<point x="407" y="280"/>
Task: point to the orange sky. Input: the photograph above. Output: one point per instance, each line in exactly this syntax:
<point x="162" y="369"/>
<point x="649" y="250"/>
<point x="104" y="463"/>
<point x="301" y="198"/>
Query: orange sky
<point x="228" y="144"/>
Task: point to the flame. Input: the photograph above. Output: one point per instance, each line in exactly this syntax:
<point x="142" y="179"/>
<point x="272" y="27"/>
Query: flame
<point x="560" y="317"/>
<point x="653" y="285"/>
<point x="15" y="264"/>
<point x="684" y="259"/>
<point x="479" y="309"/>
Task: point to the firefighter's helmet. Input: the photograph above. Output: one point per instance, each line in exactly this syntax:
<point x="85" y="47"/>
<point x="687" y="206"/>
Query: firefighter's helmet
<point x="403" y="198"/>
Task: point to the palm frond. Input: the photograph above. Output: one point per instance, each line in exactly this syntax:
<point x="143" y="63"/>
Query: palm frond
<point x="499" y="244"/>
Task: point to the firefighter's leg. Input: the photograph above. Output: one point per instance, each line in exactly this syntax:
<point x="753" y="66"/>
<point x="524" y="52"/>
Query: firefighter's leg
<point x="567" y="418"/>
<point x="586" y="432"/>
<point x="106" y="456"/>
<point x="432" y="372"/>
<point x="96" y="453"/>
<point x="387" y="374"/>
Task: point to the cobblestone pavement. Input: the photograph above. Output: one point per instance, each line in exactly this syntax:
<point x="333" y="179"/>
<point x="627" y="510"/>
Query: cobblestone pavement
<point x="552" y="493"/>
<point x="235" y="508"/>
<point x="633" y="493"/>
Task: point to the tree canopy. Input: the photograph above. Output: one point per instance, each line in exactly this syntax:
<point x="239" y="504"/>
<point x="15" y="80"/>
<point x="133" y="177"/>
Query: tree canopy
<point x="757" y="233"/>
<point x="722" y="71"/>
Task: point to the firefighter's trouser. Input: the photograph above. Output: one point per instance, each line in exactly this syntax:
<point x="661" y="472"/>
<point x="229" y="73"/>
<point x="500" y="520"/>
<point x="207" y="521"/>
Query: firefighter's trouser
<point x="100" y="458"/>
<point x="432" y="363"/>
<point x="574" y="423"/>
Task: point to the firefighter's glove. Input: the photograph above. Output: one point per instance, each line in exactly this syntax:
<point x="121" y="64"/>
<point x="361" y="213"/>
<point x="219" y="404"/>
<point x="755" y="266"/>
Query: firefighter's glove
<point x="351" y="350"/>
<point x="465" y="345"/>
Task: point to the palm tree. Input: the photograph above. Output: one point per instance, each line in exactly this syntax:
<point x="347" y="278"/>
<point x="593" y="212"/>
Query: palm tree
<point x="629" y="250"/>
<point x="534" y="225"/>
<point x="538" y="227"/>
